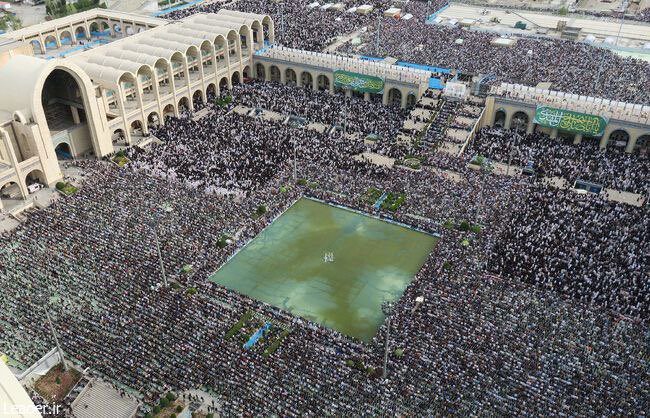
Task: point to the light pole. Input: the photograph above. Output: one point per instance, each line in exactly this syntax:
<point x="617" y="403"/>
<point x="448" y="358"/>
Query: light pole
<point x="618" y="35"/>
<point x="154" y="226"/>
<point x="295" y="162"/>
<point x="56" y="340"/>
<point x="387" y="308"/>
<point x="378" y="35"/>
<point x="282" y="18"/>
<point x="512" y="141"/>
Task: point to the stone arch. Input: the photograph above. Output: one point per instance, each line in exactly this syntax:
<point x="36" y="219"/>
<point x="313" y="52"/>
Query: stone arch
<point x="146" y="77"/>
<point x="128" y="30"/>
<point x="500" y="119"/>
<point x="19" y="117"/>
<point x="245" y="41"/>
<point x="64" y="84"/>
<point x="118" y="136"/>
<point x="136" y="128"/>
<point x="65" y="38"/>
<point x="223" y="84"/>
<point x="642" y="145"/>
<point x="117" y="28"/>
<point x="219" y="45"/>
<point x="394" y="97"/>
<point x="306" y="80"/>
<point x="153" y="119"/>
<point x="268" y="28"/>
<point x="105" y="26"/>
<point x="80" y="33"/>
<point x="50" y="42"/>
<point x="246" y="72"/>
<point x="35" y="176"/>
<point x="275" y="74"/>
<point x="36" y="46"/>
<point x="63" y="151"/>
<point x="411" y="100"/>
<point x="169" y="111"/>
<point x="94" y="28"/>
<point x="9" y="191"/>
<point x="211" y="92"/>
<point x="235" y="79"/>
<point x="206" y="50"/>
<point x="260" y="71"/>
<point x="618" y="138"/>
<point x="290" y="77"/>
<point x="184" y="104"/>
<point x="197" y="98"/>
<point x="323" y="82"/>
<point x="519" y="121"/>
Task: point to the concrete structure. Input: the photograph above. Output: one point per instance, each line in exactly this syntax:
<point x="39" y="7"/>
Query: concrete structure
<point x="513" y="106"/>
<point x="14" y="401"/>
<point x="68" y="96"/>
<point x="80" y="85"/>
<point x="403" y="86"/>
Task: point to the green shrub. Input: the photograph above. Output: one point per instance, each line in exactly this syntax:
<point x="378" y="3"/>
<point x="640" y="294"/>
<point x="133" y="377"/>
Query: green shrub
<point x="465" y="243"/>
<point x="209" y="416"/>
<point x="399" y="353"/>
<point x="164" y="402"/>
<point x="274" y="346"/>
<point x="283" y="189"/>
<point x="235" y="328"/>
<point x="120" y="154"/>
<point x="172" y="416"/>
<point x="349" y="363"/>
<point x="179" y="408"/>
<point x="446" y="265"/>
<point x="448" y="224"/>
<point x="475" y="229"/>
<point x="313" y="185"/>
<point x="148" y="415"/>
<point x="261" y="210"/>
<point x="191" y="291"/>
<point x="157" y="409"/>
<point x="464" y="226"/>
<point x="58" y="380"/>
<point x="60" y="185"/>
<point x="302" y="182"/>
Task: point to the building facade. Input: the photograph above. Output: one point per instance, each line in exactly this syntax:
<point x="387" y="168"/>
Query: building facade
<point x="624" y="125"/>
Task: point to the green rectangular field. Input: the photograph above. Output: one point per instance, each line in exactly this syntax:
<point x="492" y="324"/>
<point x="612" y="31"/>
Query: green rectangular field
<point x="330" y="265"/>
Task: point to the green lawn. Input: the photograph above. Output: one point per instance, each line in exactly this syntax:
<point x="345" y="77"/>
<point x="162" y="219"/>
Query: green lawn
<point x="284" y="266"/>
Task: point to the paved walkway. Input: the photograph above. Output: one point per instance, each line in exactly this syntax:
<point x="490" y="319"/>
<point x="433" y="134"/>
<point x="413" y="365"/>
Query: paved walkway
<point x="101" y="400"/>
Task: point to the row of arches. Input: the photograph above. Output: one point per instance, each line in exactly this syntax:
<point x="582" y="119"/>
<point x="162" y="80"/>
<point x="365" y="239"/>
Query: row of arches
<point x="12" y="193"/>
<point x="322" y="82"/>
<point x="184" y="104"/>
<point x="618" y="138"/>
<point x="72" y="36"/>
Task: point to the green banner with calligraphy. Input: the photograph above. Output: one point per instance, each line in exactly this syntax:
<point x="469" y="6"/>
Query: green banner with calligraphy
<point x="358" y="82"/>
<point x="579" y="123"/>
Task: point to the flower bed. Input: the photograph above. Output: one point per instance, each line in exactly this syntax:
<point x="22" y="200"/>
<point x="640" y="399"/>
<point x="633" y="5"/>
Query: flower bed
<point x="57" y="383"/>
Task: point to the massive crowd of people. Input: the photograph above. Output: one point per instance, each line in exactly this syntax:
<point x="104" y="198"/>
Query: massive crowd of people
<point x="611" y="167"/>
<point x="351" y="113"/>
<point x="494" y="333"/>
<point x="535" y="300"/>
<point x="571" y="67"/>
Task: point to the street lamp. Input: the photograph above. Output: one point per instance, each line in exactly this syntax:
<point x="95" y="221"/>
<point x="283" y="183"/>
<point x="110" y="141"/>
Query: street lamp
<point x="167" y="208"/>
<point x="295" y="161"/>
<point x="387" y="309"/>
